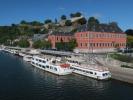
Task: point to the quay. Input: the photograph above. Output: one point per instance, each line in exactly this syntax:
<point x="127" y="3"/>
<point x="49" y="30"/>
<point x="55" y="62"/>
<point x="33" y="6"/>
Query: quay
<point x="117" y="73"/>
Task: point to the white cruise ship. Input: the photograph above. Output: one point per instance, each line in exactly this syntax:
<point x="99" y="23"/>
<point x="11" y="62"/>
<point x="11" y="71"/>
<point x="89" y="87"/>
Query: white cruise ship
<point x="51" y="64"/>
<point x="80" y="66"/>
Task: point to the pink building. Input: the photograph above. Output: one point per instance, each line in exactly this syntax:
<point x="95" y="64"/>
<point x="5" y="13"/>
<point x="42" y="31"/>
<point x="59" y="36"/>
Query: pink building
<point x="92" y="41"/>
<point x="99" y="41"/>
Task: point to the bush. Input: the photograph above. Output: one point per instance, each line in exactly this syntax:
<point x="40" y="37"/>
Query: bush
<point x="123" y="58"/>
<point x="126" y="66"/>
<point x="42" y="44"/>
<point x="68" y="23"/>
<point x="23" y="43"/>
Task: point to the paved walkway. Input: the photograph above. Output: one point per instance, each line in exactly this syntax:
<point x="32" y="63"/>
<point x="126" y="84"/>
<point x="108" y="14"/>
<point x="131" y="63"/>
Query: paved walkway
<point x="118" y="73"/>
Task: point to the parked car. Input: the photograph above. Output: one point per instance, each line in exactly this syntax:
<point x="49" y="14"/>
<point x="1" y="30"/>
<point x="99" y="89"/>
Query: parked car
<point x="125" y="50"/>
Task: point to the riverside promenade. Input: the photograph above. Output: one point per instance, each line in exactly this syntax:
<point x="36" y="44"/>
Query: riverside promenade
<point x="122" y="74"/>
<point x="117" y="72"/>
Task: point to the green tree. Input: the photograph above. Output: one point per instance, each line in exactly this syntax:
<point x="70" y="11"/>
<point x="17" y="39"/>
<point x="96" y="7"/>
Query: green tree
<point x="63" y="17"/>
<point x="59" y="45"/>
<point x="72" y="44"/>
<point x="78" y="14"/>
<point x="38" y="44"/>
<point x="23" y="22"/>
<point x="72" y="15"/>
<point x="36" y="23"/>
<point x="92" y="23"/>
<point x="68" y="23"/>
<point x="44" y="31"/>
<point x="66" y="46"/>
<point x="48" y="21"/>
<point x="130" y="41"/>
<point x="42" y="44"/>
<point x="129" y="32"/>
<point x="82" y="21"/>
<point x="23" y="43"/>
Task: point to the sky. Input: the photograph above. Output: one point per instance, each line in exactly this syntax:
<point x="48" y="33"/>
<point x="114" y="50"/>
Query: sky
<point x="13" y="11"/>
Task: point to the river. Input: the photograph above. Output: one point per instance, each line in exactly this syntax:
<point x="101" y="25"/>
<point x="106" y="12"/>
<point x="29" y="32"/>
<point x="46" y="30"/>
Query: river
<point x="21" y="81"/>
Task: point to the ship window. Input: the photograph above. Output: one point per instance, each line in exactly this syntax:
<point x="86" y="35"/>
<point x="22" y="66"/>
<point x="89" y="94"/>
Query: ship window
<point x="75" y="68"/>
<point x="105" y="74"/>
<point x="87" y="72"/>
<point x="47" y="66"/>
<point x="43" y="66"/>
<point x="40" y="65"/>
<point x="83" y="70"/>
<point x="44" y="61"/>
<point x="91" y="72"/>
<point x="37" y="64"/>
<point x="55" y="69"/>
<point x="33" y="63"/>
<point x="51" y="67"/>
<point x="95" y="73"/>
<point x="36" y="59"/>
<point x="40" y="61"/>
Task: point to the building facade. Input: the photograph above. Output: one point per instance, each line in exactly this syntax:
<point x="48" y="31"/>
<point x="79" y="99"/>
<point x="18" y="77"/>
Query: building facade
<point x="59" y="37"/>
<point x="92" y="41"/>
<point x="99" y="41"/>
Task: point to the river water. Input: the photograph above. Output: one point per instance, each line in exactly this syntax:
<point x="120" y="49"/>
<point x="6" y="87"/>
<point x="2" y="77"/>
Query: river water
<point x="21" y="81"/>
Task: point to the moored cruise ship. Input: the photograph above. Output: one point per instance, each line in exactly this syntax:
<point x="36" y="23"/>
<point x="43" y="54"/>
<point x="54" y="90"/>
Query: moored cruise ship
<point x="80" y="66"/>
<point x="51" y="64"/>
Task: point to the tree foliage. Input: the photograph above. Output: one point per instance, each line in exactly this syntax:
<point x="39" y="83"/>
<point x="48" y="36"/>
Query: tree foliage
<point x="92" y="23"/>
<point x="42" y="44"/>
<point x="63" y="17"/>
<point x="36" y="23"/>
<point x="47" y="21"/>
<point x="68" y="23"/>
<point x="130" y="41"/>
<point x="23" y="43"/>
<point x="129" y="32"/>
<point x="66" y="46"/>
<point x="23" y="22"/>
<point x="82" y="21"/>
<point x="77" y="14"/>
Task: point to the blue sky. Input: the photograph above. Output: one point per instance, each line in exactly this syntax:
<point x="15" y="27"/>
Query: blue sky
<point x="13" y="11"/>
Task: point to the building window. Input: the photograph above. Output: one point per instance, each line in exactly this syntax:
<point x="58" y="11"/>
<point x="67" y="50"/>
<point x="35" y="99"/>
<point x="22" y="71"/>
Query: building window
<point x="97" y="44"/>
<point x="100" y="44"/>
<point x="91" y="44"/>
<point x="97" y="35"/>
<point x="86" y="35"/>
<point x="86" y="44"/>
<point x="94" y="44"/>
<point x="90" y="35"/>
<point x="103" y="44"/>
<point x="108" y="44"/>
<point x="81" y="44"/>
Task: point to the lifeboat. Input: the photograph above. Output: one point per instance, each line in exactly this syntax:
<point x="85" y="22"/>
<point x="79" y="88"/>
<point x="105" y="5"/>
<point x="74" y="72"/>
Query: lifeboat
<point x="65" y="65"/>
